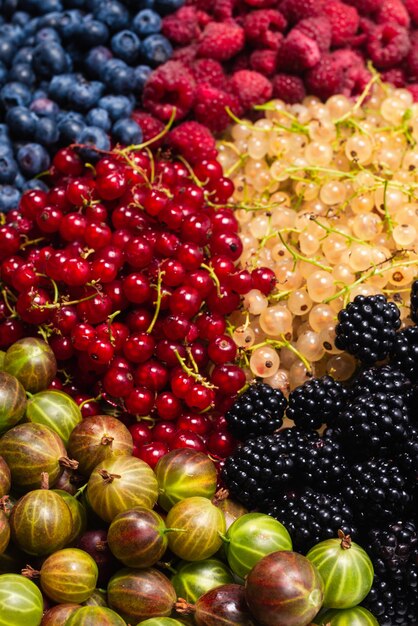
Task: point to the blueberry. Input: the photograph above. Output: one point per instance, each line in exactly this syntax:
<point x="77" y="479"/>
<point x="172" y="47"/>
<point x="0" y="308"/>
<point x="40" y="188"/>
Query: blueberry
<point x="49" y="59"/>
<point x="118" y="76"/>
<point x="9" y="198"/>
<point x="35" y="183"/>
<point x="167" y="6"/>
<point x="46" y="131"/>
<point x="85" y="94"/>
<point x="69" y="23"/>
<point x="116" y="106"/>
<point x="31" y="28"/>
<point x="22" y="73"/>
<point x="6" y="149"/>
<point x="96" y="59"/>
<point x="33" y="159"/>
<point x="142" y="73"/>
<point x="114" y="14"/>
<point x="46" y="6"/>
<point x="99" y="117"/>
<point x="70" y="127"/>
<point x="47" y="34"/>
<point x="156" y="49"/>
<point x="93" y="33"/>
<point x="21" y="122"/>
<point x="126" y="45"/>
<point x="143" y="4"/>
<point x="4" y="133"/>
<point x="93" y="136"/>
<point x="146" y="22"/>
<point x="20" y="18"/>
<point x="19" y="181"/>
<point x="8" y="169"/>
<point x="50" y="20"/>
<point x="60" y="87"/>
<point x="24" y="55"/>
<point x="12" y="32"/>
<point x="127" y="132"/>
<point x="44" y="107"/>
<point x="3" y="73"/>
<point x="7" y="50"/>
<point x="14" y="94"/>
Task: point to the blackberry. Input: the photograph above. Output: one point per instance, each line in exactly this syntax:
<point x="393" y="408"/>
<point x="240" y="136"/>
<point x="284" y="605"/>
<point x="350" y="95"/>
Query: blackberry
<point x="311" y="516"/>
<point x="372" y="424"/>
<point x="404" y="352"/>
<point x="393" y="602"/>
<point x="316" y="402"/>
<point x="366" y="328"/>
<point x="407" y="455"/>
<point x="258" y="411"/>
<point x="386" y="379"/>
<point x="414" y="301"/>
<point x="377" y="490"/>
<point x="266" y="466"/>
<point x="393" y="548"/>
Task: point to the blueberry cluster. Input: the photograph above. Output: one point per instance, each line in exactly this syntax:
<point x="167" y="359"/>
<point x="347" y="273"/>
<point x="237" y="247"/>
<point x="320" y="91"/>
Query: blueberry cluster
<point x="71" y="71"/>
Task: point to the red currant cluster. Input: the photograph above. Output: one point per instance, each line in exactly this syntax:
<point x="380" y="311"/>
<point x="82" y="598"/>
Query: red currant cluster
<point x="128" y="269"/>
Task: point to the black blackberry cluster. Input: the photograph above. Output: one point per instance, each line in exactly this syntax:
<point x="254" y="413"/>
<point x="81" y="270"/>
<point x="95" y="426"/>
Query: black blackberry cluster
<point x="404" y="352"/>
<point x="367" y="327"/>
<point x="268" y="465"/>
<point x="385" y="379"/>
<point x="393" y="548"/>
<point x="316" y="402"/>
<point x="311" y="516"/>
<point x="372" y="425"/>
<point x="377" y="490"/>
<point x="392" y="602"/>
<point x="414" y="301"/>
<point x="258" y="411"/>
<point x="407" y="455"/>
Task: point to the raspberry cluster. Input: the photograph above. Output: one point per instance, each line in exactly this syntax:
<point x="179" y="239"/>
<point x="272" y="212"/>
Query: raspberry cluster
<point x="239" y="53"/>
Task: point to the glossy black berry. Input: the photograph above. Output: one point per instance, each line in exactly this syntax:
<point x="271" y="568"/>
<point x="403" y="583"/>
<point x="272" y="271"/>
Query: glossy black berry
<point x="404" y="352"/>
<point x="414" y="301"/>
<point x="316" y="402"/>
<point x="258" y="411"/>
<point x="384" y="379"/>
<point x="366" y="328"/>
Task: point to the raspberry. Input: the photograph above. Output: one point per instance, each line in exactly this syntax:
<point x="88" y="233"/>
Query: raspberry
<point x="413" y="88"/>
<point x="355" y="76"/>
<point x="365" y="7"/>
<point x="186" y="55"/>
<point x="411" y="63"/>
<point x="242" y="62"/>
<point x="396" y="76"/>
<point x="171" y="86"/>
<point x="223" y="9"/>
<point x="182" y="27"/>
<point x="288" y="88"/>
<point x="221" y="41"/>
<point x="149" y="125"/>
<point x="192" y="140"/>
<point x="298" y="52"/>
<point x="262" y="28"/>
<point x="210" y="72"/>
<point x="251" y="88"/>
<point x="260" y="4"/>
<point x="388" y="44"/>
<point x="393" y="11"/>
<point x="296" y="10"/>
<point x="210" y="107"/>
<point x="326" y="78"/>
<point x="344" y="22"/>
<point x="318" y="29"/>
<point x="264" y="61"/>
<point x="412" y="8"/>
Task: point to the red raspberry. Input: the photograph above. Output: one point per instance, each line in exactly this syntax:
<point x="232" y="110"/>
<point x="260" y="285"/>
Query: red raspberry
<point x="186" y="54"/>
<point x="397" y="76"/>
<point x="263" y="28"/>
<point x="366" y="26"/>
<point x="298" y="52"/>
<point x="149" y="125"/>
<point x="412" y="8"/>
<point x="251" y="88"/>
<point x="260" y="4"/>
<point x="413" y="88"/>
<point x="411" y="62"/>
<point x="355" y="76"/>
<point x="288" y="88"/>
<point x="264" y="61"/>
<point x="221" y="41"/>
<point x="182" y="27"/>
<point x="388" y="44"/>
<point x="223" y="9"/>
<point x="201" y="5"/>
<point x="296" y="10"/>
<point x="393" y="11"/>
<point x="242" y="62"/>
<point x="210" y="107"/>
<point x="365" y="7"/>
<point x="170" y="86"/>
<point x="344" y="22"/>
<point x="318" y="29"/>
<point x="210" y="72"/>
<point x="194" y="141"/>
<point x="325" y="79"/>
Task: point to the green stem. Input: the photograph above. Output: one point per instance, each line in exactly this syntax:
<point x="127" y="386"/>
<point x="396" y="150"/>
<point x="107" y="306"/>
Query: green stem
<point x="297" y="256"/>
<point x="158" y="303"/>
<point x="214" y="277"/>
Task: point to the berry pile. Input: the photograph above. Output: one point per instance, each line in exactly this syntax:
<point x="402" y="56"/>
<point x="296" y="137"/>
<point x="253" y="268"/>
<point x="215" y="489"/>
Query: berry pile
<point x="361" y="474"/>
<point x="128" y="269"/>
<point x="71" y="71"/>
<point x="238" y="53"/>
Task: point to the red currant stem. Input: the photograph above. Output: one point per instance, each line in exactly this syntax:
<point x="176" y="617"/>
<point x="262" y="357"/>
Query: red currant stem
<point x="158" y="303"/>
<point x="154" y="139"/>
<point x="345" y="540"/>
<point x="109" y="326"/>
<point x="67" y="377"/>
<point x="30" y="572"/>
<point x="2" y="219"/>
<point x="80" y="491"/>
<point x="91" y="167"/>
<point x="80" y="146"/>
<point x="96" y="399"/>
<point x="193" y="362"/>
<point x="297" y="256"/>
<point x="44" y="480"/>
<point x="182" y="606"/>
<point x="214" y="277"/>
<point x="146" y="418"/>
<point x="41" y="174"/>
<point x="152" y="162"/>
<point x="29" y="242"/>
<point x="57" y="305"/>
<point x="193" y="374"/>
<point x="87" y="252"/>
<point x="192" y="175"/>
<point x="6" y="301"/>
